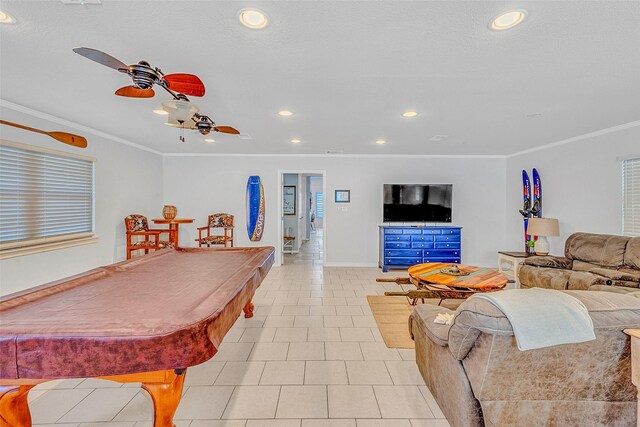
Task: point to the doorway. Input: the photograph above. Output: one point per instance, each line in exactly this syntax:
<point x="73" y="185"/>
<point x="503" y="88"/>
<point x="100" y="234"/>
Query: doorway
<point x="302" y="227"/>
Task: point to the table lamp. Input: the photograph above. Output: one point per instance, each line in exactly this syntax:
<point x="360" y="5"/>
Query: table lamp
<point x="543" y="228"/>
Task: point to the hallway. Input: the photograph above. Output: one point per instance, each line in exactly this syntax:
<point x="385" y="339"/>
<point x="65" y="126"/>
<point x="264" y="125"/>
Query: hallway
<point x="311" y="251"/>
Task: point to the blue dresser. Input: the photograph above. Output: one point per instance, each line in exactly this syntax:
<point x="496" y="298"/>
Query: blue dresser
<point x="402" y="247"/>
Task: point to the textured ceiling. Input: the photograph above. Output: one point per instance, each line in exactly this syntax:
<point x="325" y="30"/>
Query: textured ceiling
<point x="346" y="69"/>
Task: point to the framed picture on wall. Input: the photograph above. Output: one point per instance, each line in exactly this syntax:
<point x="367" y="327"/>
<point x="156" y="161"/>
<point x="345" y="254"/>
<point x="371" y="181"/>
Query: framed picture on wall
<point x="343" y="196"/>
<point x="289" y="200"/>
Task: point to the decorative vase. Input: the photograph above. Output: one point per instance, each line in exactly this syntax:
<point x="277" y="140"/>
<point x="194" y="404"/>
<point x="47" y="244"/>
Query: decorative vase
<point x="169" y="212"/>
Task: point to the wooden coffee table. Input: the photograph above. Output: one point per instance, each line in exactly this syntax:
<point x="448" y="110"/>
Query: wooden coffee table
<point x="431" y="282"/>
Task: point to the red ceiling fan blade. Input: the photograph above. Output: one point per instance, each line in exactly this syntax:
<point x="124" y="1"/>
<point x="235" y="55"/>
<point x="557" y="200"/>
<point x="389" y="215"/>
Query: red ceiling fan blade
<point x="187" y="84"/>
<point x="226" y="129"/>
<point x="134" y="92"/>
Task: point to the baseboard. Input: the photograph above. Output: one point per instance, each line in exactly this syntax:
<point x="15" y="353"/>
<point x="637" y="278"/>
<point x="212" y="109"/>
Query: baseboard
<point x="350" y="264"/>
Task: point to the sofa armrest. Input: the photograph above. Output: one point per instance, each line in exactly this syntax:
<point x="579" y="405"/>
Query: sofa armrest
<point x="549" y="261"/>
<point x="422" y="321"/>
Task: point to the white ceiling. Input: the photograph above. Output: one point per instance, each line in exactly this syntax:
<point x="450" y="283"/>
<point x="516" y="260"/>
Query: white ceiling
<point x="346" y="69"/>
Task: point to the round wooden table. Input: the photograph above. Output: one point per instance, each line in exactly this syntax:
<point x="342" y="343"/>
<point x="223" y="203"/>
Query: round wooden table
<point x="173" y="227"/>
<point x="479" y="279"/>
<point x="431" y="282"/>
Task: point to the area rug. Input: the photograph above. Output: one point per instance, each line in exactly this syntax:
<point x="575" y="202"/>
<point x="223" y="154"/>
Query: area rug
<point x="392" y="318"/>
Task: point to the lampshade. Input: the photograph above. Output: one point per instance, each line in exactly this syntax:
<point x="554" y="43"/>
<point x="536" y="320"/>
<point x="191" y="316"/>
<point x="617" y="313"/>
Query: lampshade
<point x="543" y="227"/>
<point x="180" y="110"/>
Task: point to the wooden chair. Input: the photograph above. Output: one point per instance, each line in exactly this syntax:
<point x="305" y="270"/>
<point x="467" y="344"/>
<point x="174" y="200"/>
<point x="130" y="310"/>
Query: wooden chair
<point x="220" y="220"/>
<point x="288" y="243"/>
<point x="137" y="225"/>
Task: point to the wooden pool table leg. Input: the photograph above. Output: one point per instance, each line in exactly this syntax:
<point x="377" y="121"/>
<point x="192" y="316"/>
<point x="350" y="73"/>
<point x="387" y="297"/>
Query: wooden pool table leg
<point x="248" y="310"/>
<point x="166" y="397"/>
<point x="14" y="407"/>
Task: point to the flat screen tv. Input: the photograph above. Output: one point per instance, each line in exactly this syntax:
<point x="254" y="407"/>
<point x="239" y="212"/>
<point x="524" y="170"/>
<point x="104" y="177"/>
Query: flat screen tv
<point x="417" y="202"/>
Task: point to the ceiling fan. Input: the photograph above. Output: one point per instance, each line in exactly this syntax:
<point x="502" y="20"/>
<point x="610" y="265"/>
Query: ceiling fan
<point x="144" y="76"/>
<point x="203" y="124"/>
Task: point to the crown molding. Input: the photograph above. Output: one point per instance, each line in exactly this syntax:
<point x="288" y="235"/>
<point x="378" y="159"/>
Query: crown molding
<point x="577" y="138"/>
<point x="64" y="122"/>
<point x="329" y="156"/>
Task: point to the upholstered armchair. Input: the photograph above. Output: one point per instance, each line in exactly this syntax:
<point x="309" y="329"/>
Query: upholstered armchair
<point x="218" y="221"/>
<point x="139" y="235"/>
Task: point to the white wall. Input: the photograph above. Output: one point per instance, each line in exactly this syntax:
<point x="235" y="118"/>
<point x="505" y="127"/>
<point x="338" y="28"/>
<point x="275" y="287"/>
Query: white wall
<point x="127" y="180"/>
<point x="199" y="185"/>
<point x="581" y="186"/>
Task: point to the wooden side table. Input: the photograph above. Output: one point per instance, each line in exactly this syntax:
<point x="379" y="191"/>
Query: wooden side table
<point x="173" y="227"/>
<point x="515" y="260"/>
<point x="635" y="363"/>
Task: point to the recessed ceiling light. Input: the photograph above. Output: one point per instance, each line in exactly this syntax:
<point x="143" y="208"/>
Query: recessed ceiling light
<point x="5" y="18"/>
<point x="508" y="20"/>
<point x="285" y="113"/>
<point x="295" y="140"/>
<point x="253" y="18"/>
<point x="438" y="138"/>
<point x="161" y="112"/>
<point x="380" y="141"/>
<point x="409" y="114"/>
<point x="209" y="140"/>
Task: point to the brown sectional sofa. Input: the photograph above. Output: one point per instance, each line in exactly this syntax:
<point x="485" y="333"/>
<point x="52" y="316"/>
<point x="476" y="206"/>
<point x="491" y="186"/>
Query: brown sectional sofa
<point x="479" y="377"/>
<point x="591" y="261"/>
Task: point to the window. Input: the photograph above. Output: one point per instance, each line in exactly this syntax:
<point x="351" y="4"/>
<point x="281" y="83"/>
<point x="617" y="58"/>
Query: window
<point x="46" y="198"/>
<point x="319" y="206"/>
<point x="631" y="197"/>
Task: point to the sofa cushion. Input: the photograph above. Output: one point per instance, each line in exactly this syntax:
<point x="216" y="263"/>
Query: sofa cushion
<point x="632" y="254"/>
<point x="632" y="292"/>
<point x="582" y="280"/>
<point x="540" y="277"/>
<point x="625" y="274"/>
<point x="601" y="249"/>
<point x="584" y="266"/>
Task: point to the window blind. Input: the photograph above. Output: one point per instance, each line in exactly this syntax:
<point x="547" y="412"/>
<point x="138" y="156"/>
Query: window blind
<point x="319" y="206"/>
<point x="631" y="197"/>
<point x="45" y="196"/>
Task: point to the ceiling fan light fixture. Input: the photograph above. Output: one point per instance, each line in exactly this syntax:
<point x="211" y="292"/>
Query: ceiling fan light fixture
<point x="254" y="19"/>
<point x="179" y="109"/>
<point x="5" y="18"/>
<point x="508" y="20"/>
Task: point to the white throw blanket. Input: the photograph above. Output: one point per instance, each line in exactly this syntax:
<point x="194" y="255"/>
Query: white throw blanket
<point x="543" y="317"/>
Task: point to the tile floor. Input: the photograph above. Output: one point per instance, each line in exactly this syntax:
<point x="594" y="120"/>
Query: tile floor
<point x="311" y="356"/>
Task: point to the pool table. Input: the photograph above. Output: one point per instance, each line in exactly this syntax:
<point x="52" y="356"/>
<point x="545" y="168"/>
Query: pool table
<point x="143" y="320"/>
